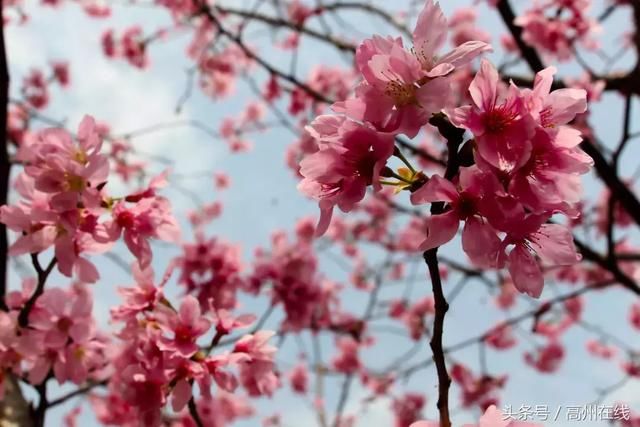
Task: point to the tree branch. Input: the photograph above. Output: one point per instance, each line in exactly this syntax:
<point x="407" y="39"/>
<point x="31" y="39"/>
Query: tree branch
<point x="5" y="164"/>
<point x="23" y="317"/>
<point x="441" y="307"/>
<point x="528" y="53"/>
<point x="454" y="137"/>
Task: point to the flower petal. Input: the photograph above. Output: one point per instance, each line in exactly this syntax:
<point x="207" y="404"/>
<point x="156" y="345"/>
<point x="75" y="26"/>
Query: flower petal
<point x="440" y="229"/>
<point x="525" y="272"/>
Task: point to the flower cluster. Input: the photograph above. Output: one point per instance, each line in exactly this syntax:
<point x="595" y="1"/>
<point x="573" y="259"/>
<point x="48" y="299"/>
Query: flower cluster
<point x="61" y="338"/>
<point x="131" y="46"/>
<point x="291" y="270"/>
<point x="160" y="357"/>
<point x="526" y="161"/>
<point x="527" y="168"/>
<point x="36" y="85"/>
<point x="211" y="271"/>
<point x="555" y="27"/>
<point x="51" y="332"/>
<point x="64" y="199"/>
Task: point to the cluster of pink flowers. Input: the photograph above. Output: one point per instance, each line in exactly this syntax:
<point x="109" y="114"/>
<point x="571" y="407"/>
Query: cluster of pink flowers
<point x="35" y="86"/>
<point x="407" y="408"/>
<point x="131" y="46"/>
<point x="555" y="27"/>
<point x="218" y="69"/>
<point x="528" y="168"/>
<point x="51" y="331"/>
<point x="64" y="199"/>
<point x="211" y="271"/>
<point x="413" y="316"/>
<point x="290" y="270"/>
<point x="527" y="161"/>
<point x="61" y="338"/>
<point x="251" y="120"/>
<point x="402" y="88"/>
<point x="160" y="357"/>
<point x="331" y="82"/>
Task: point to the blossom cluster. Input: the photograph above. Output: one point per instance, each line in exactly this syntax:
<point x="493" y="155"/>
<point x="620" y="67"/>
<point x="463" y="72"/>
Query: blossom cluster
<point x="526" y="162"/>
<point x="160" y="357"/>
<point x="64" y="204"/>
<point x="156" y="357"/>
<point x="555" y="27"/>
<point x="61" y="340"/>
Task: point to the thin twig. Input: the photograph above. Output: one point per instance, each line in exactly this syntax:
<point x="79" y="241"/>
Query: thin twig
<point x="23" y="317"/>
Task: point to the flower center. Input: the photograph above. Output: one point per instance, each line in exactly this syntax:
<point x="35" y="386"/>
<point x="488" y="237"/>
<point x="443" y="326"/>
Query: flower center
<point x="64" y="324"/>
<point x="74" y="183"/>
<point x="183" y="334"/>
<point x="545" y="119"/>
<point x="125" y="219"/>
<point x="465" y="206"/>
<point x="499" y="119"/>
<point x="403" y="94"/>
<point x="80" y="156"/>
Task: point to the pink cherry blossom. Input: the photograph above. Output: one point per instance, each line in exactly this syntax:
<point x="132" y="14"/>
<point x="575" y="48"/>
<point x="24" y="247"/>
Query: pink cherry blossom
<point x="186" y="326"/>
<point x="407" y="408"/>
<point x="299" y="378"/>
<point x="546" y="359"/>
<point x="350" y="158"/>
<point x="501" y="128"/>
<point x="347" y="360"/>
<point x="476" y="390"/>
<point x="479" y="239"/>
<point x="401" y="89"/>
<point x="149" y="218"/>
<point x="553" y="243"/>
<point x="65" y="315"/>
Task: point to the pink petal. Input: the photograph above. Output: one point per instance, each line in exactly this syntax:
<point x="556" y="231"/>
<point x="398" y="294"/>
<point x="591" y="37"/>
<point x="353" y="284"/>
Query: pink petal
<point x="181" y="395"/>
<point x="459" y="116"/>
<point x="66" y="255"/>
<point x="14" y="218"/>
<point x="440" y="70"/>
<point x="525" y="272"/>
<point x="189" y="311"/>
<point x="326" y="211"/>
<point x="484" y="87"/>
<point x="565" y="104"/>
<point x="465" y="53"/>
<point x="554" y="244"/>
<point x="86" y="271"/>
<point x="481" y="243"/>
<point x="437" y="189"/>
<point x="543" y="81"/>
<point x="440" y="229"/>
<point x="433" y="96"/>
<point x="568" y="137"/>
<point x="431" y="30"/>
<point x="225" y="380"/>
<point x="34" y="242"/>
<point x="80" y="331"/>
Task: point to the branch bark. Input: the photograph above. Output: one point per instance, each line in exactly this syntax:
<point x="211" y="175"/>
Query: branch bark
<point x="5" y="164"/>
<point x="441" y="307"/>
<point x="454" y="137"/>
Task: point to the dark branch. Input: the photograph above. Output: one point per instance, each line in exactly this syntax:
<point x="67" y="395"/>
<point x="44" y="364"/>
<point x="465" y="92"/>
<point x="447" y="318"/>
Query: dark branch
<point x="528" y="53"/>
<point x="5" y="164"/>
<point x="23" y="317"/>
